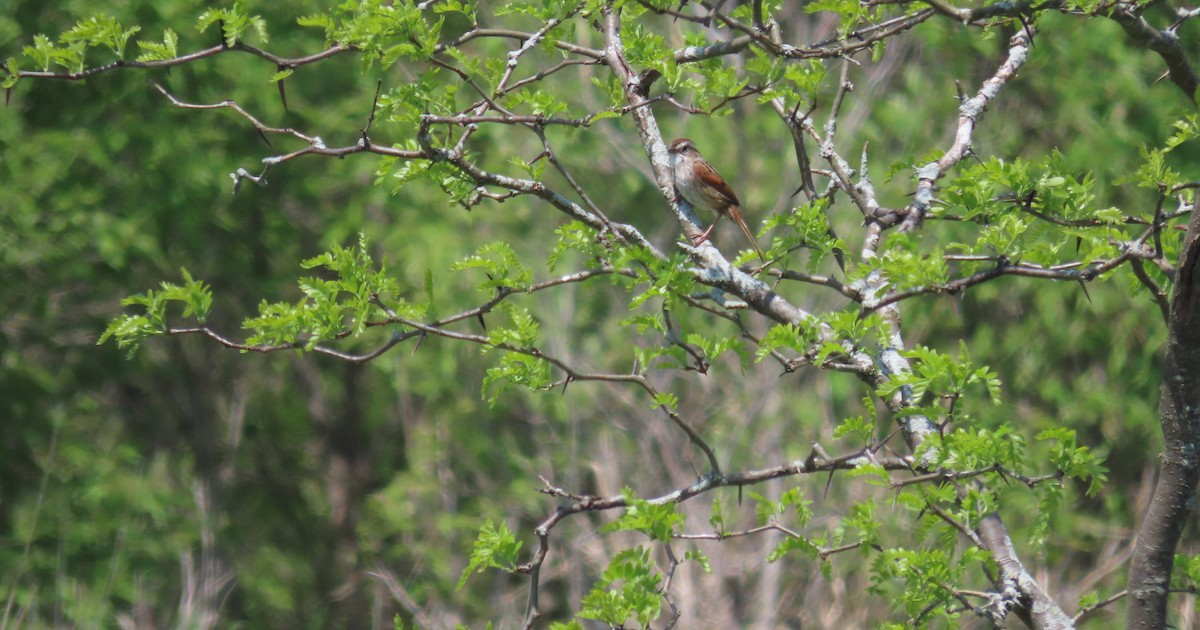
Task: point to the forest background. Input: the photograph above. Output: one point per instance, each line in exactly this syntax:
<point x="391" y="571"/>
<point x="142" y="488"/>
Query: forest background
<point x="188" y="484"/>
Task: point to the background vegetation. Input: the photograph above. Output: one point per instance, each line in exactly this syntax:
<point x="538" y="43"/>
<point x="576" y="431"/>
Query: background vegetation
<point x="190" y="485"/>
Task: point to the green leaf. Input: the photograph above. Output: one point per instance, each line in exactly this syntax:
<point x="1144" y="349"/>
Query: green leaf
<point x="515" y="368"/>
<point x="790" y="336"/>
<point x="792" y="543"/>
<point x="667" y="400"/>
<point x="100" y="31"/>
<point x="235" y="23"/>
<point x="331" y="307"/>
<point x="501" y="266"/>
<point x="384" y="32"/>
<point x="281" y="75"/>
<point x="805" y="227"/>
<point x="628" y="588"/>
<point x="168" y="49"/>
<point x="697" y="556"/>
<point x="941" y="376"/>
<point x="1073" y="460"/>
<point x="12" y="73"/>
<point x="495" y="547"/>
<point x="862" y="429"/>
<point x="194" y="296"/>
<point x="659" y="521"/>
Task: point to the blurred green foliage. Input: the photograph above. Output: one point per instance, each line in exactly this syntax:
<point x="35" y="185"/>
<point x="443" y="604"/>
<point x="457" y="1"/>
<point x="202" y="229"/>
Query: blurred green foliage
<point x="283" y="482"/>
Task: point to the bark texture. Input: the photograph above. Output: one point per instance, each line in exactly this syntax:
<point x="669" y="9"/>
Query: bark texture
<point x="1179" y="412"/>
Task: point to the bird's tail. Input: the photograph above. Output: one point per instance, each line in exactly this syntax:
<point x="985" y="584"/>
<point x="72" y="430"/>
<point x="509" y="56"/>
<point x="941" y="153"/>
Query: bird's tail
<point x="735" y="213"/>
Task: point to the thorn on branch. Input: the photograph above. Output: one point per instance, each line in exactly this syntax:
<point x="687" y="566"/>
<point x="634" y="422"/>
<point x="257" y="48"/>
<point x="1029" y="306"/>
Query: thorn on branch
<point x="282" y="90"/>
<point x="1027" y="27"/>
<point x="374" y="108"/>
<point x="1086" y="275"/>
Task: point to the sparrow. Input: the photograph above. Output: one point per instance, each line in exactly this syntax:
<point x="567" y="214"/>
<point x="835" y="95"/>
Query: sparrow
<point x="699" y="183"/>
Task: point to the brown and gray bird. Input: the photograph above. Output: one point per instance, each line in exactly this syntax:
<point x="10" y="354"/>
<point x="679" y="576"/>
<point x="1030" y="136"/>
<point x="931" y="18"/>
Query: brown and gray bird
<point x="700" y="184"/>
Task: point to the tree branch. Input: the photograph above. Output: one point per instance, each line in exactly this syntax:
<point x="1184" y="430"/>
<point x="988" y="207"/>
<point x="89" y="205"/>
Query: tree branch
<point x="1165" y="43"/>
<point x="1173" y="503"/>
<point x="283" y="63"/>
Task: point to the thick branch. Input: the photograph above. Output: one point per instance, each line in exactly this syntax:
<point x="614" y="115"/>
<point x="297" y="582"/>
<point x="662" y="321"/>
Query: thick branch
<point x="1022" y="593"/>
<point x="1174" y="498"/>
<point x="715" y="270"/>
<point x="478" y="33"/>
<point x="1165" y="43"/>
<point x="969" y="113"/>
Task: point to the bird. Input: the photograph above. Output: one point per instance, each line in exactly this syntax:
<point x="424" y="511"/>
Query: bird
<point x="699" y="183"/>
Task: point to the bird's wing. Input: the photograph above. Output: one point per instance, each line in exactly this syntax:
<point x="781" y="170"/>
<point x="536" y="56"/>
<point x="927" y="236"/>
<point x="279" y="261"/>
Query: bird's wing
<point x="709" y="176"/>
